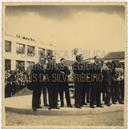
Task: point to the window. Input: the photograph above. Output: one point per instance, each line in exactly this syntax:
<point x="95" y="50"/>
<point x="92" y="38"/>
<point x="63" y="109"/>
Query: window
<point x="49" y="53"/>
<point x="20" y="48"/>
<point x="41" y="52"/>
<point x="30" y="50"/>
<point x="7" y="64"/>
<point x="8" y="46"/>
<point x="20" y="65"/>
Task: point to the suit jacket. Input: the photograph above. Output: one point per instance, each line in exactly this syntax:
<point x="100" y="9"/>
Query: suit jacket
<point x="107" y="77"/>
<point x="87" y="71"/>
<point x="78" y="69"/>
<point x="52" y="71"/>
<point x="37" y="75"/>
<point x="96" y="70"/>
<point x="63" y="73"/>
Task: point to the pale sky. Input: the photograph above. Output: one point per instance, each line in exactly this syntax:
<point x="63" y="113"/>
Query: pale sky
<point x="91" y="28"/>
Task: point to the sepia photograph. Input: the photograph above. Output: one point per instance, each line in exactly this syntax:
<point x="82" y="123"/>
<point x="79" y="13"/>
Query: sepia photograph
<point x="63" y="65"/>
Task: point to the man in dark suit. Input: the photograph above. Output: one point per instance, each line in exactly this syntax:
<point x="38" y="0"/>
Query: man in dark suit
<point x="86" y="84"/>
<point x="37" y="74"/>
<point x="63" y="83"/>
<point x="95" y="92"/>
<point x="52" y="84"/>
<point x="118" y="78"/>
<point x="78" y="70"/>
<point x="107" y="82"/>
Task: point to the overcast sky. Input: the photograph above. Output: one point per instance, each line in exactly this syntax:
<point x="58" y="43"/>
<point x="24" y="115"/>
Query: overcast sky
<point x="88" y="27"/>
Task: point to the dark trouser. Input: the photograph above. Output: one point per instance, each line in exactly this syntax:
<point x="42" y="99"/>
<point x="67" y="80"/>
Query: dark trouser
<point x="85" y="94"/>
<point x="8" y="90"/>
<point x="63" y="88"/>
<point x="50" y="95"/>
<point x="53" y="95"/>
<point x="113" y="93"/>
<point x="107" y="94"/>
<point x="61" y="92"/>
<point x="103" y="92"/>
<point x="116" y="93"/>
<point x="122" y="89"/>
<point x="44" y="90"/>
<point x="119" y="95"/>
<point x="95" y="94"/>
<point x="13" y="88"/>
<point x="78" y="96"/>
<point x="88" y="93"/>
<point x="36" y="97"/>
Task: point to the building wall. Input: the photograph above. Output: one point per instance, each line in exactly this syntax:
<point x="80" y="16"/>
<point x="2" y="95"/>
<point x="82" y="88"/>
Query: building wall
<point x="13" y="56"/>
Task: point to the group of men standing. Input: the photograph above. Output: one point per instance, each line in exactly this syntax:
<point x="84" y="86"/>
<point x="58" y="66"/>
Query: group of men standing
<point x="90" y="80"/>
<point x="51" y="77"/>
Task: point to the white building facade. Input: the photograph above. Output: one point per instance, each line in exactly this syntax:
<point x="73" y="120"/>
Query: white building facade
<point x="23" y="51"/>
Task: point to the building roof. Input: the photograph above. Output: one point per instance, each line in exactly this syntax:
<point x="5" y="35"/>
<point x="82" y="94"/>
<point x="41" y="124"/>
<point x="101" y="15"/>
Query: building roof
<point x="114" y="55"/>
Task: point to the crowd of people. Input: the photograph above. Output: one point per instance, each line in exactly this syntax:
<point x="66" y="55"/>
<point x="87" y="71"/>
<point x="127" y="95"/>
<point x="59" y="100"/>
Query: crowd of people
<point x="15" y="80"/>
<point x="95" y="84"/>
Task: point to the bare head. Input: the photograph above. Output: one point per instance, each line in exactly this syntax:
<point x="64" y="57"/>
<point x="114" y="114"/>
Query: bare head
<point x="42" y="60"/>
<point x="79" y="58"/>
<point x="96" y="59"/>
<point x="54" y="59"/>
<point x="62" y="60"/>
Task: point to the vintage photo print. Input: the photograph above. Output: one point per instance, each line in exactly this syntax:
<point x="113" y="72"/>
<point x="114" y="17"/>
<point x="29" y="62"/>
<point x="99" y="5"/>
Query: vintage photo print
<point x="63" y="65"/>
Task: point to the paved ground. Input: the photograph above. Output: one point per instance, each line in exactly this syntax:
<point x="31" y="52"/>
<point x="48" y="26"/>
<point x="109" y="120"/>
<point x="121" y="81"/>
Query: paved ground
<point x="101" y="119"/>
<point x="18" y="112"/>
